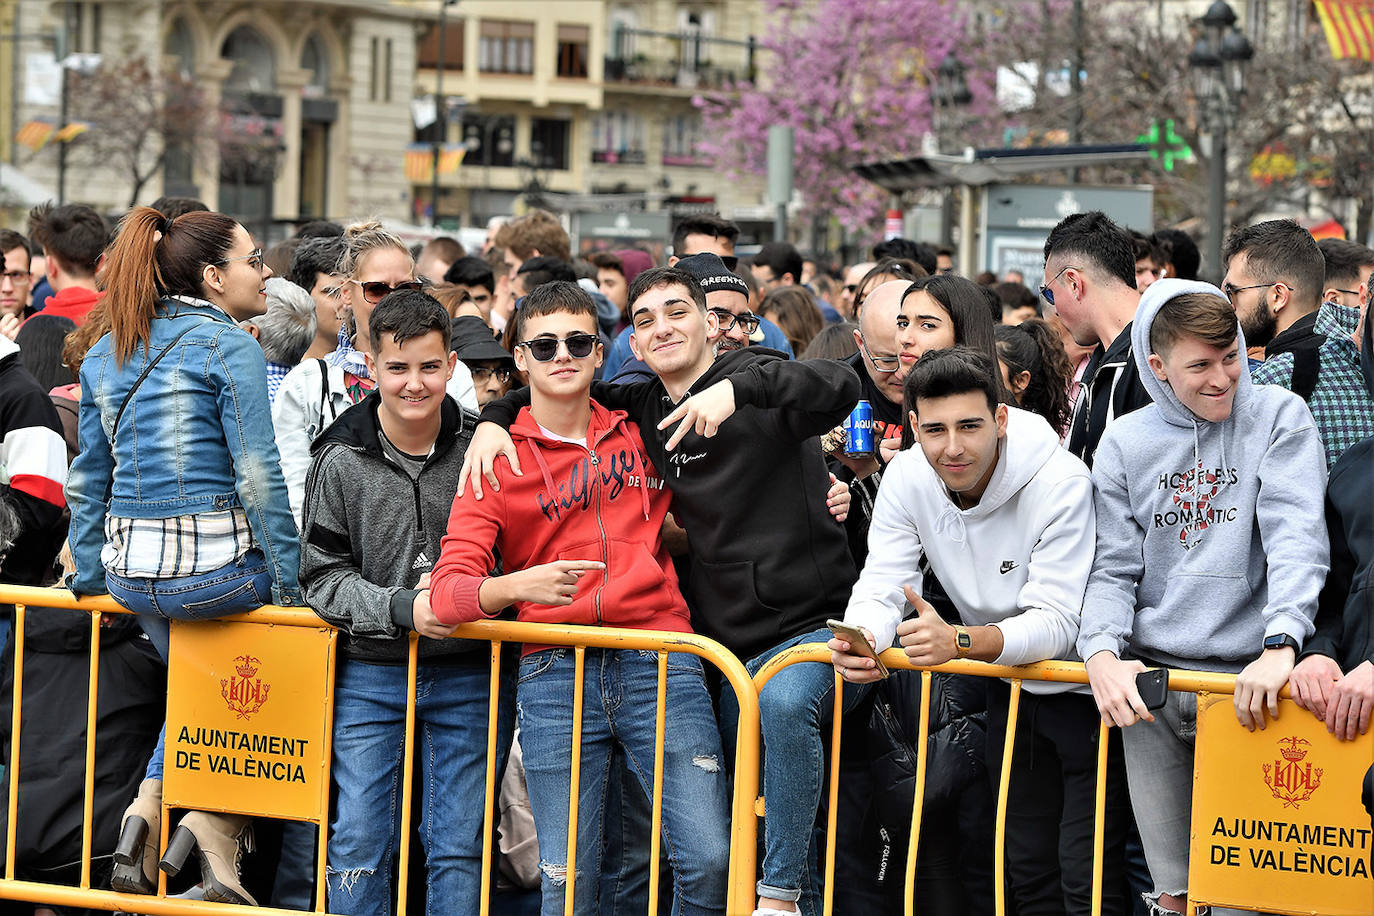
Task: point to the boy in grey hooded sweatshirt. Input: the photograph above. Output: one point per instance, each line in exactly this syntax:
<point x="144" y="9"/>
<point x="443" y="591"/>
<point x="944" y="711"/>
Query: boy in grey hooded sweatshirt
<point x="1211" y="551"/>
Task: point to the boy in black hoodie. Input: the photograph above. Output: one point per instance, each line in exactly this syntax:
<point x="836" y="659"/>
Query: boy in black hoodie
<point x="734" y="438"/>
<point x="376" y="508"/>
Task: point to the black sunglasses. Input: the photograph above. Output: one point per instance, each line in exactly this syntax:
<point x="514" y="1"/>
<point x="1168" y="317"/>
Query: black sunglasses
<point x="543" y="349"/>
<point x="1048" y="293"/>
<point x="375" y="291"/>
<point x="728" y="319"/>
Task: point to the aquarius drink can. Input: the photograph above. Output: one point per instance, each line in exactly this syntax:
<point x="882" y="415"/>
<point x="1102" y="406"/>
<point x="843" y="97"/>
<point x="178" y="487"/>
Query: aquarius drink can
<point x="858" y="431"/>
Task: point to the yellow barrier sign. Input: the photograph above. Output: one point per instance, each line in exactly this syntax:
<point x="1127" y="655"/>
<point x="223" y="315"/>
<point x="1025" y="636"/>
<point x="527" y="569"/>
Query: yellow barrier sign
<point x="1277" y="820"/>
<point x="248" y="718"/>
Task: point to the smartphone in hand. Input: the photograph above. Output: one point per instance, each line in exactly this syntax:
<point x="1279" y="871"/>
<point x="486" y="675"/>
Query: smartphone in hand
<point x="1153" y="686"/>
<point x="858" y="643"/>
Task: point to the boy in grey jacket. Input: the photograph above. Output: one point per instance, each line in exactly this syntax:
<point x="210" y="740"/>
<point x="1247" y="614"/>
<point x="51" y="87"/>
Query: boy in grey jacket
<point x="377" y="502"/>
<point x="1211" y="551"/>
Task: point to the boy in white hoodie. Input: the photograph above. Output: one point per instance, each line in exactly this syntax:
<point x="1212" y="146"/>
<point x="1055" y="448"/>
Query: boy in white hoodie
<point x="1211" y="551"/>
<point x="1004" y="516"/>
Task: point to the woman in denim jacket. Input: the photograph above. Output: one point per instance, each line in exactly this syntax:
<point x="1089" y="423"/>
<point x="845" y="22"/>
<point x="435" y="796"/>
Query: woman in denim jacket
<point x="178" y="505"/>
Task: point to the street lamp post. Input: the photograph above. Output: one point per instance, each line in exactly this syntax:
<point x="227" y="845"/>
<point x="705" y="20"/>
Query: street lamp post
<point x="1218" y="61"/>
<point x="951" y="91"/>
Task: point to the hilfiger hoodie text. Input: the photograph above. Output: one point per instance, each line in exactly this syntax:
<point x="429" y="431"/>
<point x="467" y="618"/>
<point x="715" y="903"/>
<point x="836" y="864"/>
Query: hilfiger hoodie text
<point x="1019" y="559"/>
<point x="768" y="561"/>
<point x="1210" y="536"/>
<point x="601" y="501"/>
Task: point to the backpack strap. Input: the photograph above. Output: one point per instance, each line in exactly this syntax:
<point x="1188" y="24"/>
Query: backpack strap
<point x="1306" y="363"/>
<point x="114" y="430"/>
<point x="324" y="388"/>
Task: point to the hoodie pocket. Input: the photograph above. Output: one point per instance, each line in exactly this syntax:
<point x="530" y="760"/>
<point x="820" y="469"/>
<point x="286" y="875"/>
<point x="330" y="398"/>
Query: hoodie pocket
<point x="1205" y="615"/>
<point x="591" y="579"/>
<point x="638" y="583"/>
<point x="726" y="598"/>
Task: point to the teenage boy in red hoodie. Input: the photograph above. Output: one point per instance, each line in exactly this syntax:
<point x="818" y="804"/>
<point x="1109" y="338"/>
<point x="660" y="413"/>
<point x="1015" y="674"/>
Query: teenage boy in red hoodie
<point x="581" y="541"/>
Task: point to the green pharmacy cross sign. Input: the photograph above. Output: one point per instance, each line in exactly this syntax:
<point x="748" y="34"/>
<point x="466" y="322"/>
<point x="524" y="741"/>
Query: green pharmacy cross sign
<point x="1166" y="145"/>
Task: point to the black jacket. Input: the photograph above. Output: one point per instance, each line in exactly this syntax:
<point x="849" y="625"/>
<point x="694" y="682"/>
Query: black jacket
<point x="768" y="561"/>
<point x="369" y="532"/>
<point x="131" y="706"/>
<point x="863" y="494"/>
<point x="1111" y="388"/>
<point x="1345" y="611"/>
<point x="1301" y="335"/>
<point x="26" y="415"/>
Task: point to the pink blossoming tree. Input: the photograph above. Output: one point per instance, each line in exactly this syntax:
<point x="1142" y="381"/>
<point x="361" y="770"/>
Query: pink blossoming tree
<point x="855" y="81"/>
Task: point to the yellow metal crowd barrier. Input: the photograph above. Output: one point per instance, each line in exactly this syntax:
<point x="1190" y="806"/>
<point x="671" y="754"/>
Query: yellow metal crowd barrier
<point x="210" y="663"/>
<point x="1340" y="885"/>
<point x="299" y="806"/>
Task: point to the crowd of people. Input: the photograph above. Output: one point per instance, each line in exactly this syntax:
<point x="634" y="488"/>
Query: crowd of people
<point x="408" y="439"/>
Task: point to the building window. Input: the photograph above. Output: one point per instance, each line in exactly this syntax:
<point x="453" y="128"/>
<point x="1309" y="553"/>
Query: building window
<point x="489" y="140"/>
<point x="374" y="67"/>
<point x="680" y="137"/>
<point x="255" y="69"/>
<point x="181" y="46"/>
<point x="618" y="137"/>
<point x="386" y="70"/>
<point x="624" y="23"/>
<point x="506" y="47"/>
<point x="427" y="56"/>
<point x="549" y="143"/>
<point x="380" y="88"/>
<point x="83" y="26"/>
<point x="315" y="58"/>
<point x="572" y="51"/>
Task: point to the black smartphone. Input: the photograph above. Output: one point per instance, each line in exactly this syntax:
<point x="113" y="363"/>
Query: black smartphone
<point x="1153" y="686"/>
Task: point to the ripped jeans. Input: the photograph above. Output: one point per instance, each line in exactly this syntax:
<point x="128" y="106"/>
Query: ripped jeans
<point x="620" y="696"/>
<point x="451" y="737"/>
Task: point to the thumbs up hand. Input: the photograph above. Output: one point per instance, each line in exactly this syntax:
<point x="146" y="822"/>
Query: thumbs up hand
<point x="927" y="639"/>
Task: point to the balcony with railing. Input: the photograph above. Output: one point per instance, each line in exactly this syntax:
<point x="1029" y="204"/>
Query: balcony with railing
<point x="684" y="60"/>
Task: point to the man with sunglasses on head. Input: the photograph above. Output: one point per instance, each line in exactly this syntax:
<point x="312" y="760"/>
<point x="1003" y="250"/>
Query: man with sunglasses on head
<point x="1090" y="283"/>
<point x="373" y="264"/>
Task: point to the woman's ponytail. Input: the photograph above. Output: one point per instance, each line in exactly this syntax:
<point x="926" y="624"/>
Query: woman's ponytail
<point x="130" y="278"/>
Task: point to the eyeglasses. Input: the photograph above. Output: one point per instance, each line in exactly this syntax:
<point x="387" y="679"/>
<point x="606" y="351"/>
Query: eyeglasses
<point x="749" y="322"/>
<point x="850" y="288"/>
<point x="884" y="364"/>
<point x="1348" y="292"/>
<point x="1045" y="290"/>
<point x="375" y="291"/>
<point x="254" y="259"/>
<point x="1230" y="289"/>
<point x="480" y="374"/>
<point x="543" y="349"/>
<point x="16" y="277"/>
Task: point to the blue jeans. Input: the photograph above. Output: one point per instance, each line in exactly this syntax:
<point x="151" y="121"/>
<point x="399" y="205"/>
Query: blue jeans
<point x="369" y="731"/>
<point x="619" y="703"/>
<point x="794" y="707"/>
<point x="242" y="585"/>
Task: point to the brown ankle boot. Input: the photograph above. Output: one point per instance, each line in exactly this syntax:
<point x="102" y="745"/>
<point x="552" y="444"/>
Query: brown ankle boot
<point x="135" y="856"/>
<point x="221" y="839"/>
